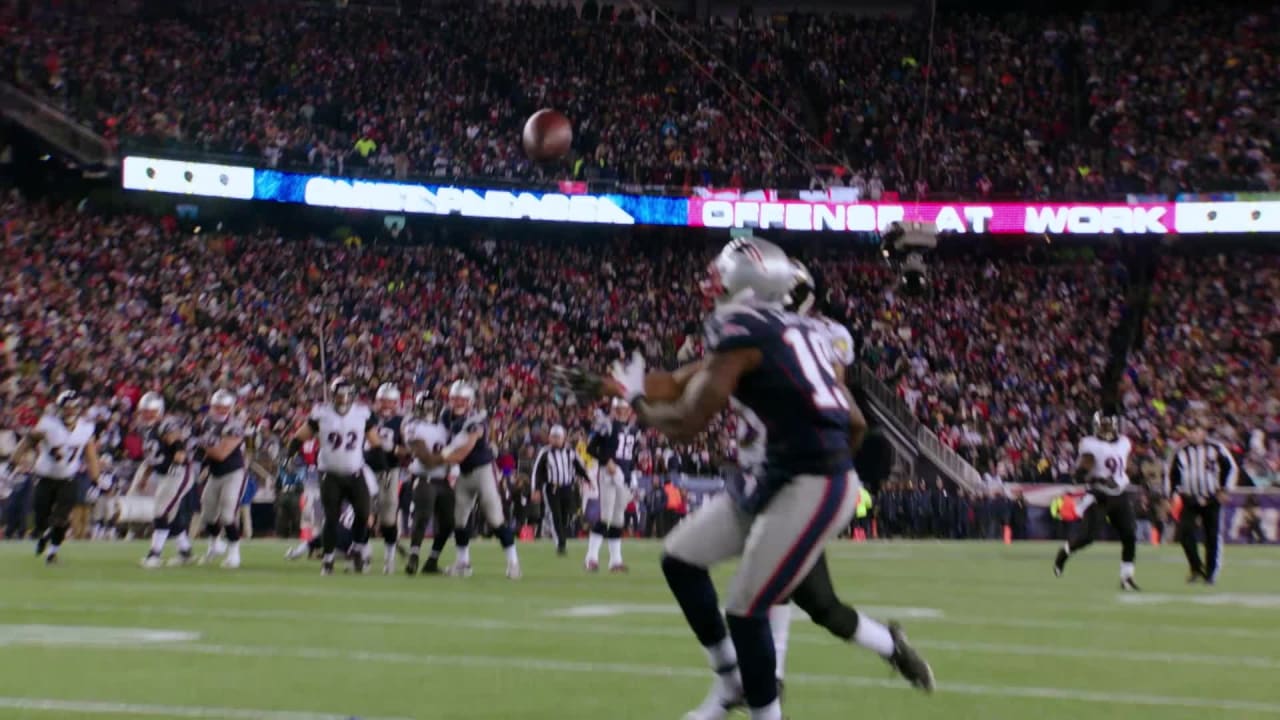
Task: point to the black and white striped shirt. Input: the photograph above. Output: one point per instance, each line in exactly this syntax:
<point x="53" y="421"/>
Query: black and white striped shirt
<point x="558" y="467"/>
<point x="1201" y="470"/>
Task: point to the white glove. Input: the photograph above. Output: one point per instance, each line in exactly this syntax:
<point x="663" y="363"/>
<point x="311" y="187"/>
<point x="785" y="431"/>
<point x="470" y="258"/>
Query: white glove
<point x="630" y="377"/>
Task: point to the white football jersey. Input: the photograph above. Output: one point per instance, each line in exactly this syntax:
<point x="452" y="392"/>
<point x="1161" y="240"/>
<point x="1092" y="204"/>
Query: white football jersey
<point x="62" y="450"/>
<point x="435" y="436"/>
<point x="1111" y="460"/>
<point x="840" y="342"/>
<point x="341" y="437"/>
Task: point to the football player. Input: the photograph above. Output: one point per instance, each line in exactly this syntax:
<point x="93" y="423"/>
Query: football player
<point x="65" y="445"/>
<point x="165" y="461"/>
<point x="766" y="358"/>
<point x="614" y="447"/>
<point x="343" y="427"/>
<point x="468" y="428"/>
<point x="1102" y="465"/>
<point x="433" y="496"/>
<point x="384" y="460"/>
<point x="220" y="450"/>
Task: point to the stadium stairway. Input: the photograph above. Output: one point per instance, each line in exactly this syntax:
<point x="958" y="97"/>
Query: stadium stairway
<point x="1137" y="267"/>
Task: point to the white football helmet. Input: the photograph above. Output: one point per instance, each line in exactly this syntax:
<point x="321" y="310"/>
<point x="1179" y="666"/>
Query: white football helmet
<point x="221" y="405"/>
<point x="387" y="398"/>
<point x="461" y="396"/>
<point x="423" y="406"/>
<point x="151" y="408"/>
<point x="69" y="406"/>
<point x="750" y="269"/>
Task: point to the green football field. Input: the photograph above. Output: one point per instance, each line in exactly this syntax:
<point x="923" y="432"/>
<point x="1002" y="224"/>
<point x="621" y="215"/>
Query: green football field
<point x="99" y="636"/>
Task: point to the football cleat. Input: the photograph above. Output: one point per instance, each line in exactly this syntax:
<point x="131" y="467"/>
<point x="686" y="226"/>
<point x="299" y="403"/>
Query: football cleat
<point x="152" y="561"/>
<point x="42" y="542"/>
<point x="561" y="552"/>
<point x="411" y="568"/>
<point x="1060" y="562"/>
<point x="389" y="565"/>
<point x="619" y="568"/>
<point x="184" y="558"/>
<point x="51" y="559"/>
<point x="724" y="696"/>
<point x="459" y="570"/>
<point x="908" y="662"/>
<point x="297" y="552"/>
<point x="1210" y="580"/>
<point x="592" y="566"/>
<point x="513" y="571"/>
<point x="231" y="563"/>
<point x="1128" y="585"/>
<point x="326" y="568"/>
<point x="431" y="567"/>
<point x="357" y="563"/>
<point x="1195" y="576"/>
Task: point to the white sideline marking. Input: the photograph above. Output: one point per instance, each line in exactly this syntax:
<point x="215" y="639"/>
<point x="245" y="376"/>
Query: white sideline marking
<point x="1258" y="601"/>
<point x="814" y="638"/>
<point x="561" y="666"/>
<point x="98" y="707"/>
<point x="92" y="636"/>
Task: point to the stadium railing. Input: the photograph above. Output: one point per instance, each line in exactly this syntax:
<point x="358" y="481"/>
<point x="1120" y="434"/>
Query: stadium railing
<point x="956" y="468"/>
<point x="57" y="128"/>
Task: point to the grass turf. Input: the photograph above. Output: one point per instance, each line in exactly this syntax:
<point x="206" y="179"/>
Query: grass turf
<point x="276" y="641"/>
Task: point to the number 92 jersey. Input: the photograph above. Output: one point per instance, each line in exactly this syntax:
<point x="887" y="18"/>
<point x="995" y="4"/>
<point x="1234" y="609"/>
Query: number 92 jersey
<point x="1110" y="460"/>
<point x="794" y="391"/>
<point x="341" y="437"/>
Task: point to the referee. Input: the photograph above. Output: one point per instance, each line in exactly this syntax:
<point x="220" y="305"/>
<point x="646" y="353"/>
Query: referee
<point x="1200" y="472"/>
<point x="555" y="472"/>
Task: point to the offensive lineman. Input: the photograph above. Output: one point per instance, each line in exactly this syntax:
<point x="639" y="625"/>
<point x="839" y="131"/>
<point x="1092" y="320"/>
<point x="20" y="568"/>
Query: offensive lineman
<point x="166" y="463"/>
<point x="220" y="449"/>
<point x="476" y="483"/>
<point x="383" y="459"/>
<point x="614" y="449"/>
<point x="342" y="427"/>
<point x="433" y="496"/>
<point x="1104" y="457"/>
<point x="65" y="443"/>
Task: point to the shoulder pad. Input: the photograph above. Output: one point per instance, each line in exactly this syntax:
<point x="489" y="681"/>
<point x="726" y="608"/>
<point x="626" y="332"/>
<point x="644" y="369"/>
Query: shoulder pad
<point x="732" y="326"/>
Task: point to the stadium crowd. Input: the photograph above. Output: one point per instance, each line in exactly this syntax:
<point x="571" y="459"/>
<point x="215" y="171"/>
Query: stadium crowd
<point x="1018" y="105"/>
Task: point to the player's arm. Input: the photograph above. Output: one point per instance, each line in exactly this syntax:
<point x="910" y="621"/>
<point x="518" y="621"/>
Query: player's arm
<point x="462" y="445"/>
<point x="91" y="460"/>
<point x="538" y="476"/>
<point x="857" y="421"/>
<point x="1228" y="471"/>
<point x="1084" y="467"/>
<point x="705" y="394"/>
<point x="222" y="448"/>
<point x="580" y="469"/>
<point x="27" y="446"/>
<point x="371" y="436"/>
<point x="664" y="386"/>
<point x="1173" y="475"/>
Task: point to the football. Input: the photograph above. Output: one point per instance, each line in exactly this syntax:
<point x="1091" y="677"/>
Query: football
<point x="547" y="135"/>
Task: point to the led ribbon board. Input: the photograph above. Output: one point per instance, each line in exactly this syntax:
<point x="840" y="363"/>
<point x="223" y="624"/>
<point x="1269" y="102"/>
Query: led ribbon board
<point x="1140" y="218"/>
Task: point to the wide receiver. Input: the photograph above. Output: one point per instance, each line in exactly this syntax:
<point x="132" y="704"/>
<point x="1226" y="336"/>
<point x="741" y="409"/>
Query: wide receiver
<point x="765" y="358"/>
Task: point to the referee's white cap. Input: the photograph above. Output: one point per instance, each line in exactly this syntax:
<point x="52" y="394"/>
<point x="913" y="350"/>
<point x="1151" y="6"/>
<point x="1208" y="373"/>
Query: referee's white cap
<point x="557" y="431"/>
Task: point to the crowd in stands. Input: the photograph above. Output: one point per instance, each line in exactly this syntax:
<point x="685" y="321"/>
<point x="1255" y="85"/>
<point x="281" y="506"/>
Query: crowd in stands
<point x="1002" y="359"/>
<point x="1017" y="105"/>
<point x="1211" y="343"/>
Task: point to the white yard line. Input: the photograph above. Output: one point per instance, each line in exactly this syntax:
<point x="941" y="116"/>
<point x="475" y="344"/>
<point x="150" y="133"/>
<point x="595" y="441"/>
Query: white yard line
<point x="102" y="707"/>
<point x="809" y="636"/>
<point x="542" y="664"/>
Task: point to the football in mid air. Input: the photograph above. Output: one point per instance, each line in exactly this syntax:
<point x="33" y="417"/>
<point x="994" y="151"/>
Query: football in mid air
<point x="547" y="135"/>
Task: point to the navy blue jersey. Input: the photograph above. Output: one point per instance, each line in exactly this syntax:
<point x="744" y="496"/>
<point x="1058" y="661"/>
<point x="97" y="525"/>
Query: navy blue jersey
<point x="794" y="391"/>
<point x="621" y="444"/>
<point x="212" y="433"/>
<point x="382" y="459"/>
<point x="481" y="454"/>
<point x="160" y="452"/>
